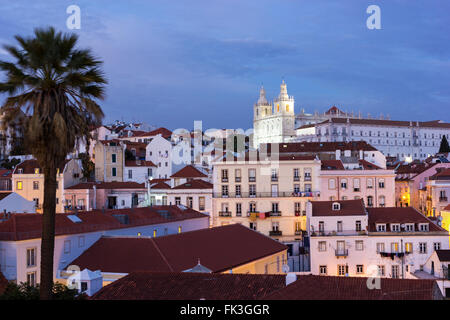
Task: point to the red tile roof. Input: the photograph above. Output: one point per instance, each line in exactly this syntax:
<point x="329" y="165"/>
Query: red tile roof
<point x="108" y="185"/>
<point x="443" y="255"/>
<point x="159" y="185"/>
<point x="348" y="208"/>
<point x="311" y="287"/>
<point x="28" y="166"/>
<point x="441" y="174"/>
<point x="316" y="147"/>
<point x="165" y="133"/>
<point x="368" y="165"/>
<point x="219" y="249"/>
<point x="447" y="208"/>
<point x="189" y="171"/>
<point x="6" y="173"/>
<point x="396" y="123"/>
<point x="195" y="184"/>
<point x="21" y="226"/>
<point x="332" y="165"/>
<point x="399" y="215"/>
<point x="191" y="286"/>
<point x="139" y="163"/>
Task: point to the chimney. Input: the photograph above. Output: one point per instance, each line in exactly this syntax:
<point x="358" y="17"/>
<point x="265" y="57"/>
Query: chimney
<point x="290" y="278"/>
<point x="361" y="154"/>
<point x="338" y="154"/>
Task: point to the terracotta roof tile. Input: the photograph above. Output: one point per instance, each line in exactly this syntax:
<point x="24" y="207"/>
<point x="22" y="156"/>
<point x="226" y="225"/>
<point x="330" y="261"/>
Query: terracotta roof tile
<point x="139" y="163"/>
<point x="28" y="166"/>
<point x="195" y="184"/>
<point x="21" y="226"/>
<point x="108" y="185"/>
<point x="189" y="171"/>
<point x="332" y="165"/>
<point x="191" y="286"/>
<point x="311" y="287"/>
<point x="443" y="255"/>
<point x="348" y="208"/>
<point x="219" y="249"/>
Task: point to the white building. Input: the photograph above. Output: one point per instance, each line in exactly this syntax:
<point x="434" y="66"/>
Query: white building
<point x="273" y="122"/>
<point x="437" y="268"/>
<point x="138" y="170"/>
<point x="159" y="151"/>
<point x="13" y="202"/>
<point x="346" y="238"/>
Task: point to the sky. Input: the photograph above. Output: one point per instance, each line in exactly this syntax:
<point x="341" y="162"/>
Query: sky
<point x="170" y="63"/>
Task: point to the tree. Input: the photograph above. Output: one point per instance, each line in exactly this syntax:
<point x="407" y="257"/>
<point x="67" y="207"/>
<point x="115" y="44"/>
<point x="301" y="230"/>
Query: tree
<point x="88" y="167"/>
<point x="56" y="86"/>
<point x="444" y="148"/>
<point x="10" y="164"/>
<point x="24" y="291"/>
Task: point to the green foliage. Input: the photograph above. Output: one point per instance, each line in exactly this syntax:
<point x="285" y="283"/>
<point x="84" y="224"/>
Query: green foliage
<point x="24" y="291"/>
<point x="88" y="166"/>
<point x="10" y="164"/>
<point x="444" y="148"/>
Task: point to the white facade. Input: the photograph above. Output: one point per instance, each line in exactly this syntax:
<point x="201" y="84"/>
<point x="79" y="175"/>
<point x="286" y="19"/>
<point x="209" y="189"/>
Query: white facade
<point x="159" y="151"/>
<point x="345" y="245"/>
<point x="16" y="203"/>
<point x="273" y="122"/>
<point x="139" y="174"/>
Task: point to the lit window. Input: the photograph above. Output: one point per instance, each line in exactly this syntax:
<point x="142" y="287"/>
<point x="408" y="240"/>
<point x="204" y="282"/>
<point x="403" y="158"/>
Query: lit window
<point x="179" y="229"/>
<point x="19" y="185"/>
<point x="36" y="170"/>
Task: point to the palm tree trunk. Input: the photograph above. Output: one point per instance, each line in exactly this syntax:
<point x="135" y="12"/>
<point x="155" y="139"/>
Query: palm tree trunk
<point x="48" y="231"/>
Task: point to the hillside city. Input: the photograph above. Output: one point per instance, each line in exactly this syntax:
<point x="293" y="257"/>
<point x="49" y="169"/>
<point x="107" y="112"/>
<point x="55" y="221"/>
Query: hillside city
<point x="320" y="205"/>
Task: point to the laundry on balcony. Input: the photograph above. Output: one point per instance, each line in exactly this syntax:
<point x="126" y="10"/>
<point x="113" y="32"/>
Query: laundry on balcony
<point x="262" y="215"/>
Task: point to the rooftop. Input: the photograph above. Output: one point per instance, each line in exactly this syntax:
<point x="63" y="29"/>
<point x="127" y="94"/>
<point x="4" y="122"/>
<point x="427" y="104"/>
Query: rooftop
<point x="189" y="171"/>
<point x="23" y="226"/>
<point x="108" y="185"/>
<point x="191" y="286"/>
<point x="347" y="208"/>
<point x="312" y="287"/>
<point x="219" y="249"/>
<point x="443" y="255"/>
<point x="195" y="184"/>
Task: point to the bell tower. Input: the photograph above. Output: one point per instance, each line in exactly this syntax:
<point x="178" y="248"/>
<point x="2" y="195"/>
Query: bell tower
<point x="284" y="109"/>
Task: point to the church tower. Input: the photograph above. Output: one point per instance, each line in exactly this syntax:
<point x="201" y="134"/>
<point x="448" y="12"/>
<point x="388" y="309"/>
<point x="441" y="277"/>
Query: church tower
<point x="262" y="110"/>
<point x="284" y="110"/>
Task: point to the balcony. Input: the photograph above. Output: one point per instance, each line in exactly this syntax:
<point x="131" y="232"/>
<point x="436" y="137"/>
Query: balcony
<point x="341" y="252"/>
<point x="237" y="179"/>
<point x="279" y="194"/>
<point x="296" y="178"/>
<point x="274" y="178"/>
<point x="298" y="232"/>
<point x="443" y="199"/>
<point x="251" y="179"/>
<point x="224" y="179"/>
<point x="275" y="233"/>
<point x="307" y="178"/>
<point x="224" y="214"/>
<point x="298" y="213"/>
<point x="275" y="213"/>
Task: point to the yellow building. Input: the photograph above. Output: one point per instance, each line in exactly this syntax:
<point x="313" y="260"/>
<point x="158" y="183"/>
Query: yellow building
<point x="28" y="181"/>
<point x="109" y="156"/>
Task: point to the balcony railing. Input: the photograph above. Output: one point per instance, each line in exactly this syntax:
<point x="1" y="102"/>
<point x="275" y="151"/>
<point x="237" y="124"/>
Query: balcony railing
<point x="298" y="232"/>
<point x="274" y="178"/>
<point x="443" y="199"/>
<point x="275" y="233"/>
<point x="224" y="179"/>
<point x="280" y="194"/>
<point x="275" y="213"/>
<point x="296" y="178"/>
<point x="251" y="179"/>
<point x="341" y="252"/>
<point x="224" y="213"/>
<point x="307" y="178"/>
<point x="237" y="179"/>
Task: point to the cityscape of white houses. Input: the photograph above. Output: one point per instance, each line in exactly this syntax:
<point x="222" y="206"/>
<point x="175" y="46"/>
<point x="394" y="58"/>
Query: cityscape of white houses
<point x="349" y="239"/>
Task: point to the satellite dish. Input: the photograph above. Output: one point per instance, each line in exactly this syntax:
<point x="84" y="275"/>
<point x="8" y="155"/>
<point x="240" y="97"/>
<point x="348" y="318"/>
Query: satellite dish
<point x="285" y="268"/>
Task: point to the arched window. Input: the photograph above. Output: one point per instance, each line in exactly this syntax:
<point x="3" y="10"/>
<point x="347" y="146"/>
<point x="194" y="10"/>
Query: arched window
<point x="287" y="108"/>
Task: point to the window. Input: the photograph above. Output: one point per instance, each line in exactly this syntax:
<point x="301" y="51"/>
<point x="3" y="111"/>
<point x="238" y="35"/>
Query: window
<point x="356" y="185"/>
<point x="358" y="226"/>
<point x="114" y="172"/>
<point x="177" y="201"/>
<point x="201" y="203"/>
<point x="336" y="206"/>
<point x="238" y="209"/>
<point x="422" y="247"/>
<point x="274" y="175"/>
<point x="394" y="247"/>
<point x="321" y="226"/>
<point x="19" y="185"/>
<point x="84" y="286"/>
<point x="380" y="247"/>
<point x="251" y="175"/>
<point x="179" y="229"/>
<point x="437" y="246"/>
<point x="370" y="201"/>
<point x="342" y="269"/>
<point x="31" y="257"/>
<point x="344" y="183"/>
<point x="80" y="241"/>
<point x="331" y="184"/>
<point x="359" y="245"/>
<point x="395" y="227"/>
<point x="395" y="271"/>
<point x="307" y="174"/>
<point x="297" y="207"/>
<point x="149" y="172"/>
<point x="409" y="227"/>
<point x="339" y="226"/>
<point x="252" y="225"/>
<point x="322" y="246"/>
<point x="381" y="271"/>
<point x="382" y="201"/>
<point x="238" y="190"/>
<point x="381" y="227"/>
<point x="190" y="202"/>
<point x="359" y="269"/>
<point x="381" y="183"/>
<point x="275" y="207"/>
<point x="67" y="245"/>
<point x="130" y="174"/>
<point x="224" y="175"/>
<point x="296" y="174"/>
<point x="113" y="158"/>
<point x="36" y="170"/>
<point x="323" y="270"/>
<point x="296" y="188"/>
<point x="31" y="278"/>
<point x="275" y="226"/>
<point x="237" y="175"/>
<point x="423" y="227"/>
<point x="308" y="187"/>
<point x="35" y="185"/>
<point x="224" y="191"/>
<point x="252" y="190"/>
<point x="409" y="247"/>
<point x="154" y="233"/>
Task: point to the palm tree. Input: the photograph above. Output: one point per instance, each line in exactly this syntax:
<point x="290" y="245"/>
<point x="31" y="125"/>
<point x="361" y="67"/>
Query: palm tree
<point x="56" y="85"/>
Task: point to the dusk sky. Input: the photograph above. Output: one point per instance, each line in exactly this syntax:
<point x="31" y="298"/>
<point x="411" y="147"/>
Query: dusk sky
<point x="170" y="63"/>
